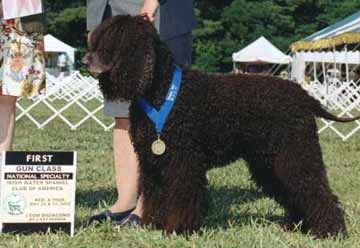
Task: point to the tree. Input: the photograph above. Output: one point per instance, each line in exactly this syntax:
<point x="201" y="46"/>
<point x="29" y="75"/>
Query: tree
<point x="231" y="25"/>
<point x="67" y="21"/>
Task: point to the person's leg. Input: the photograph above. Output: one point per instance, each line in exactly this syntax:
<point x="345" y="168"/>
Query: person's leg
<point x="134" y="218"/>
<point x="139" y="207"/>
<point x="126" y="167"/>
<point x="7" y="121"/>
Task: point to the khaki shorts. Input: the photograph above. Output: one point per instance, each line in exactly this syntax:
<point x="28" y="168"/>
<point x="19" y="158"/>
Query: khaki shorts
<point x="118" y="109"/>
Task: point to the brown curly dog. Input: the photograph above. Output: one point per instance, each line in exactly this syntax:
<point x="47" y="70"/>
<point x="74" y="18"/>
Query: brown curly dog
<point x="216" y="120"/>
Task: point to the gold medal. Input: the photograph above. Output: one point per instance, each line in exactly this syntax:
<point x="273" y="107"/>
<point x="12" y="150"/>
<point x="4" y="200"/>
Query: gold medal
<point x="158" y="147"/>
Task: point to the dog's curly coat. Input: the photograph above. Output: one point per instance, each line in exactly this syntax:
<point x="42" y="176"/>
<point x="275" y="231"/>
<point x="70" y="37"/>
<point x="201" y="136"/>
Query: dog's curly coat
<point x="217" y="119"/>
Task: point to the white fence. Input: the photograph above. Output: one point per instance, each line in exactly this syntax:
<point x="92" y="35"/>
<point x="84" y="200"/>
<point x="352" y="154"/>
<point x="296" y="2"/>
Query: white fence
<point x="333" y="78"/>
<point x="341" y="97"/>
<point x="74" y="99"/>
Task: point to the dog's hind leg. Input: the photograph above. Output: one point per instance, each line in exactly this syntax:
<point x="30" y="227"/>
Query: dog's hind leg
<point x="302" y="187"/>
<point x="308" y="194"/>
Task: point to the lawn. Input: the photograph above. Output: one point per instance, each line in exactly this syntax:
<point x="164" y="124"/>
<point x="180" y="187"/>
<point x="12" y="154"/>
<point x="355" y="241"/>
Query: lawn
<point x="239" y="216"/>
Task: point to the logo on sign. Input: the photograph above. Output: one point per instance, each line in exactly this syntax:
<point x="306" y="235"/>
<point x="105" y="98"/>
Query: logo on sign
<point x="15" y="204"/>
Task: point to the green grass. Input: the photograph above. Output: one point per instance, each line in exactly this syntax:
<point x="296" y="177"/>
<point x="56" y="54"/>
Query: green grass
<point x="240" y="215"/>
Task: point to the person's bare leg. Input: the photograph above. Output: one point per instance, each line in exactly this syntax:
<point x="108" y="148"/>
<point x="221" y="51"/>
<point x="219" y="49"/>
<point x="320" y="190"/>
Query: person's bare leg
<point x="7" y="121"/>
<point x="126" y="167"/>
<point x="139" y="207"/>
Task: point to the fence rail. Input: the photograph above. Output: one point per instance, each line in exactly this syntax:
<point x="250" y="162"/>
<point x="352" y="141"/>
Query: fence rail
<point x="74" y="93"/>
<point x="341" y="97"/>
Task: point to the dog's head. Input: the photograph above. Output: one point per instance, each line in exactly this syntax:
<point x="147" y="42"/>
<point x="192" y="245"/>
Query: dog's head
<point x="122" y="51"/>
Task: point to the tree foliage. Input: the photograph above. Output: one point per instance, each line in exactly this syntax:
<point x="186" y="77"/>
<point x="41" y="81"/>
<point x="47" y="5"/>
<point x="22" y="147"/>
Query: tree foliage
<point x="66" y="20"/>
<point x="224" y="26"/>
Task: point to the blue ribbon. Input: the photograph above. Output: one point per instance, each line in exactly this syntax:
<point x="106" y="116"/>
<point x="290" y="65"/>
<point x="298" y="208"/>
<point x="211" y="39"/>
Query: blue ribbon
<point x="159" y="117"/>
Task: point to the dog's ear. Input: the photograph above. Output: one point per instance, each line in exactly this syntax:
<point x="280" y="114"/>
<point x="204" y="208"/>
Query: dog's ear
<point x="131" y="56"/>
<point x="145" y="55"/>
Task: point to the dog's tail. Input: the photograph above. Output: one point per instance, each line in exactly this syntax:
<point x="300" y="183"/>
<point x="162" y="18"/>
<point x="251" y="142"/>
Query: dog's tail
<point x="319" y="111"/>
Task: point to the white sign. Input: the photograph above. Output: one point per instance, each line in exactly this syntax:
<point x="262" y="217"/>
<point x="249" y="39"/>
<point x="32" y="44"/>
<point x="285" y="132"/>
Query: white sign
<point x="19" y="8"/>
<point x="38" y="191"/>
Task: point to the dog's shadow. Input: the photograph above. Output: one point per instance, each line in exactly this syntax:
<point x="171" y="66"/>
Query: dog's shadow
<point x="224" y="205"/>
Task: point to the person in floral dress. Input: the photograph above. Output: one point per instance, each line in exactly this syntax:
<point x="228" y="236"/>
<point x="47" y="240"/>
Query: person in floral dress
<point x="22" y="68"/>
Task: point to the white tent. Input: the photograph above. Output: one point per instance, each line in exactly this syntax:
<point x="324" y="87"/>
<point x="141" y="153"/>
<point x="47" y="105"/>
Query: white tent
<point x="346" y="31"/>
<point x="300" y="59"/>
<point x="327" y="65"/>
<point x="309" y="50"/>
<point x="347" y="25"/>
<point x="53" y="45"/>
<point x="261" y="51"/>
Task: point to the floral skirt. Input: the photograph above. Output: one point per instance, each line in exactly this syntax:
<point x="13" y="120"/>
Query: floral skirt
<point x="22" y="63"/>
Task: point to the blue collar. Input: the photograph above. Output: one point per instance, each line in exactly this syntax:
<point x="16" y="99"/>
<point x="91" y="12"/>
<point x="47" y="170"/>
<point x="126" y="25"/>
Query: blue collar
<point x="159" y="117"/>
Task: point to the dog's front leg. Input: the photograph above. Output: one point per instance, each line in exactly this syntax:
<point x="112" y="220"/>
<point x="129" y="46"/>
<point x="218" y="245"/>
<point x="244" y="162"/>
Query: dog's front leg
<point x="179" y="204"/>
<point x="185" y="203"/>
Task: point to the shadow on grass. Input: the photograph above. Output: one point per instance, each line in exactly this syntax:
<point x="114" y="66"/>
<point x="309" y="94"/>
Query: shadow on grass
<point x="222" y="204"/>
<point x="91" y="198"/>
<point x="223" y="196"/>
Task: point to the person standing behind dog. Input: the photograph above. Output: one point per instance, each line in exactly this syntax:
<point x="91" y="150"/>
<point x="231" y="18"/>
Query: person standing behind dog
<point x="177" y="20"/>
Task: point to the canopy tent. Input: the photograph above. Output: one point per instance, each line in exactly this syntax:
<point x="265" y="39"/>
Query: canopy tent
<point x="346" y="31"/>
<point x="300" y="59"/>
<point x="339" y="57"/>
<point x="310" y="49"/>
<point x="53" y="45"/>
<point x="327" y="65"/>
<point x="261" y="51"/>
